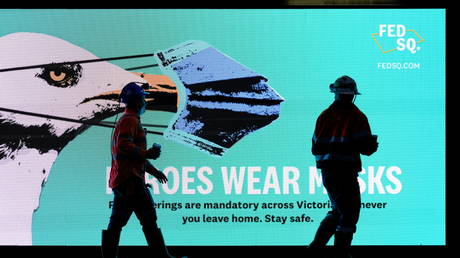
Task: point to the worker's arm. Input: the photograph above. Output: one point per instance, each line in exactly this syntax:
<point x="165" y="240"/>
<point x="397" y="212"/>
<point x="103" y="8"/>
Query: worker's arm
<point x="155" y="172"/>
<point x="128" y="128"/>
<point x="316" y="147"/>
<point x="365" y="142"/>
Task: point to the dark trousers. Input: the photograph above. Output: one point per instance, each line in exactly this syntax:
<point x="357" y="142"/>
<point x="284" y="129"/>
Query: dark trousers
<point x="132" y="196"/>
<point x="343" y="191"/>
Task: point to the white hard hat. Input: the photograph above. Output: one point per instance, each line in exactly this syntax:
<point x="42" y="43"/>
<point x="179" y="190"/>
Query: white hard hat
<point x="344" y="85"/>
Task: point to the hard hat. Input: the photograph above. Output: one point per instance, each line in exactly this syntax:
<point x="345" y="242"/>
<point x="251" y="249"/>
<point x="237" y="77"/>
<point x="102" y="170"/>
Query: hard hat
<point x="130" y="92"/>
<point x="344" y="85"/>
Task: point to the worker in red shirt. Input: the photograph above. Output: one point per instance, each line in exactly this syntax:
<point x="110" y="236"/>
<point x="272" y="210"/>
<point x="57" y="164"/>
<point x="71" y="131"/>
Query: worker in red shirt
<point x="127" y="177"/>
<point x="341" y="134"/>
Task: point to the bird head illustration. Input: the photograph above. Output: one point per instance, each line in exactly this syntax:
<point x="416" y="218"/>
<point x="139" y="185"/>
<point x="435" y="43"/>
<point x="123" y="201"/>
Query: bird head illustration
<point x="85" y="92"/>
<point x="57" y="86"/>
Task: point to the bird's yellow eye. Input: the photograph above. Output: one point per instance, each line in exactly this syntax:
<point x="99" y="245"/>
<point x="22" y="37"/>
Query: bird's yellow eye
<point x="57" y="76"/>
<point x="61" y="75"/>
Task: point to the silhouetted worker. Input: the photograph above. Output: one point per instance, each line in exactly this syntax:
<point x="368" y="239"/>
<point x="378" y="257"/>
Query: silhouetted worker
<point x="341" y="134"/>
<point x="129" y="164"/>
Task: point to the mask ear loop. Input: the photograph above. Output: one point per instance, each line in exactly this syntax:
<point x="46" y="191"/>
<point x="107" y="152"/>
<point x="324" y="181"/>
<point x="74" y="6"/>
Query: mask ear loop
<point x="114" y="125"/>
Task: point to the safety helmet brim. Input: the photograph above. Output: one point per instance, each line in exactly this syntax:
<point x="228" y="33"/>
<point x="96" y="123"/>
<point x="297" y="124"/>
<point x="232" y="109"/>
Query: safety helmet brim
<point x="346" y="92"/>
<point x="344" y="85"/>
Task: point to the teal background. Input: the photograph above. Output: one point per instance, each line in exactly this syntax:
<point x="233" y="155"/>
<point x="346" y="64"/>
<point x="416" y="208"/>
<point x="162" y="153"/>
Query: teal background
<point x="301" y="52"/>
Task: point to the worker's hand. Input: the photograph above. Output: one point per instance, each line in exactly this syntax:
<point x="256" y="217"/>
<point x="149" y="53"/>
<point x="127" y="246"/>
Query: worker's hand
<point x="369" y="146"/>
<point x="374" y="147"/>
<point x="154" y="152"/>
<point x="374" y="144"/>
<point x="160" y="176"/>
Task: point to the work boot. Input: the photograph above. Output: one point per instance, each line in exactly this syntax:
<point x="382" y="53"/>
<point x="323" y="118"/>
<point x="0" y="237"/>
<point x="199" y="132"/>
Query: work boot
<point x="325" y="231"/>
<point x="109" y="245"/>
<point x="342" y="244"/>
<point x="156" y="242"/>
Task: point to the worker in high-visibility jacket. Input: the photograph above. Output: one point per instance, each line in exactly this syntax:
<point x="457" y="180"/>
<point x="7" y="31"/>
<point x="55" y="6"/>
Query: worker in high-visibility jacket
<point x="341" y="134"/>
<point x="127" y="177"/>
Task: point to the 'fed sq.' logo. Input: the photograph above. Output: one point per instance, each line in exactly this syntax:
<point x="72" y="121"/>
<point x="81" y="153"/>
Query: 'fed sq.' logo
<point x="396" y="37"/>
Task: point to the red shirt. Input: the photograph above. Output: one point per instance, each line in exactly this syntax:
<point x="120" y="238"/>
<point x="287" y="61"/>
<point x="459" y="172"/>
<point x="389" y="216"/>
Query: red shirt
<point x="128" y="149"/>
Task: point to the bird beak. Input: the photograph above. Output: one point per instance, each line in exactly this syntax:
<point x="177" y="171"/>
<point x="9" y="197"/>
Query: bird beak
<point x="162" y="91"/>
<point x="163" y="95"/>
